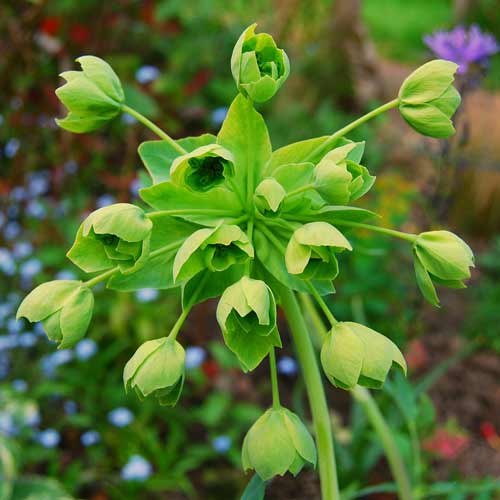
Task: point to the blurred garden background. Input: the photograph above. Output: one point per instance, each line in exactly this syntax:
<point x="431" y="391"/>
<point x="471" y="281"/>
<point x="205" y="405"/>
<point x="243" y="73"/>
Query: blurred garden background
<point x="67" y="428"/>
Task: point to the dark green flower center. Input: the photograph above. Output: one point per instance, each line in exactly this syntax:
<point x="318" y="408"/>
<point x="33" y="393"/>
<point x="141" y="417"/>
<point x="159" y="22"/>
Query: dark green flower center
<point x="206" y="172"/>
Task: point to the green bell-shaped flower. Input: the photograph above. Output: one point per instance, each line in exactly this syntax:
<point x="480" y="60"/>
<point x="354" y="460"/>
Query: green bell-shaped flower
<point x="258" y="66"/>
<point x="428" y="100"/>
<point x="339" y="178"/>
<point x="92" y="96"/>
<point x="64" y="307"/>
<point x="204" y="168"/>
<point x="355" y="354"/>
<point x="443" y="258"/>
<point x="157" y="368"/>
<point x="310" y="253"/>
<point x="278" y="442"/>
<point x="268" y="196"/>
<point x="215" y="249"/>
<point x="116" y="235"/>
<point x="247" y="317"/>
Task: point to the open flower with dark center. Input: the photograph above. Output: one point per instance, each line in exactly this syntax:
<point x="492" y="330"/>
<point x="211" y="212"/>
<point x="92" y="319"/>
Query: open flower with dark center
<point x="204" y="168"/>
<point x="259" y="67"/>
<point x="215" y="249"/>
<point x="116" y="235"/>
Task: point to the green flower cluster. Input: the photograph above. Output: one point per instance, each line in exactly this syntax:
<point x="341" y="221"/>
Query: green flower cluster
<point x="232" y="218"/>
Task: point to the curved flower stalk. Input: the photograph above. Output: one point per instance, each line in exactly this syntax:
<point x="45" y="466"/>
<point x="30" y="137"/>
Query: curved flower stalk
<point x="232" y="218"/>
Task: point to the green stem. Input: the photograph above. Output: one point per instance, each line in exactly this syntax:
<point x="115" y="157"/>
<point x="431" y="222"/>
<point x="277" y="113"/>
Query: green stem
<point x="185" y="312"/>
<point x="301" y="189"/>
<point x="322" y="304"/>
<point x="351" y="126"/>
<point x="317" y="329"/>
<point x="394" y="458"/>
<point x="274" y="380"/>
<point x="378" y="229"/>
<point x="316" y="395"/>
<point x="100" y="278"/>
<point x="192" y="211"/>
<point x="376" y="418"/>
<point x="248" y="265"/>
<point x="157" y="130"/>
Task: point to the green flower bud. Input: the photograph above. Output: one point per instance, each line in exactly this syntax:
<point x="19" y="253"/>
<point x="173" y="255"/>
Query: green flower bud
<point x="247" y="317"/>
<point x="116" y="235"/>
<point x="354" y="354"/>
<point x="268" y="196"/>
<point x="311" y="251"/>
<point x="204" y="168"/>
<point x="258" y="66"/>
<point x="276" y="443"/>
<point x="428" y="100"/>
<point x="339" y="178"/>
<point x="443" y="258"/>
<point x="64" y="307"/>
<point x="215" y="249"/>
<point x="92" y="96"/>
<point x="157" y="368"/>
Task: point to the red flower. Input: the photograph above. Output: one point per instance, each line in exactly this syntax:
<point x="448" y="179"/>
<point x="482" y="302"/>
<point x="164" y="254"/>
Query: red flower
<point x="79" y="34"/>
<point x="50" y="25"/>
<point x="210" y="368"/>
<point x="446" y="444"/>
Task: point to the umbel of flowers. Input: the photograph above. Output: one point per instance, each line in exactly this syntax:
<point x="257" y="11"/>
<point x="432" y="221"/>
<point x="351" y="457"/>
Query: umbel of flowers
<point x="232" y="218"/>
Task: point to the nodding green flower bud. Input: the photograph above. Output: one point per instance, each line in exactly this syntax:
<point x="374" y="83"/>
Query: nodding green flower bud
<point x="215" y="249"/>
<point x="157" y="368"/>
<point x="92" y="96"/>
<point x="258" y="66"/>
<point x="64" y="307"/>
<point x="354" y="354"/>
<point x="268" y="196"/>
<point x="247" y="317"/>
<point x="204" y="168"/>
<point x="428" y="100"/>
<point x="116" y="235"/>
<point x="339" y="178"/>
<point x="443" y="258"/>
<point x="278" y="442"/>
<point x="310" y="253"/>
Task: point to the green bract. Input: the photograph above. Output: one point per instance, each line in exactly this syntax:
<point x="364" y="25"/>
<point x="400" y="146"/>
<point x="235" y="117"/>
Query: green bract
<point x="64" y="307"/>
<point x="93" y="96"/>
<point x="203" y="168"/>
<point x="268" y="196"/>
<point x="259" y="67"/>
<point x="215" y="249"/>
<point x="354" y="354"/>
<point x="311" y="251"/>
<point x="247" y="317"/>
<point x="116" y="235"/>
<point x="339" y="179"/>
<point x="428" y="100"/>
<point x="278" y="442"/>
<point x="157" y="368"/>
<point x="443" y="258"/>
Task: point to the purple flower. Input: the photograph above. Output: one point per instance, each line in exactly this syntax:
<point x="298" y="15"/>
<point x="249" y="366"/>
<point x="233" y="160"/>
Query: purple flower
<point x="38" y="183"/>
<point x="146" y="294"/>
<point x="49" y="438"/>
<point x="65" y="274"/>
<point x="287" y="366"/>
<point x="147" y="74"/>
<point x="7" y="262"/>
<point x="120" y="417"/>
<point x="90" y="438"/>
<point x="136" y="469"/>
<point x="30" y="268"/>
<point x="12" y="147"/>
<point x="85" y="349"/>
<point x="463" y="46"/>
<point x="22" y="249"/>
<point x="70" y="407"/>
<point x="221" y="444"/>
<point x="219" y="115"/>
<point x="195" y="356"/>
<point x="27" y="339"/>
<point x="12" y="230"/>
<point x="105" y="200"/>
<point x="36" y="210"/>
<point x="19" y="385"/>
